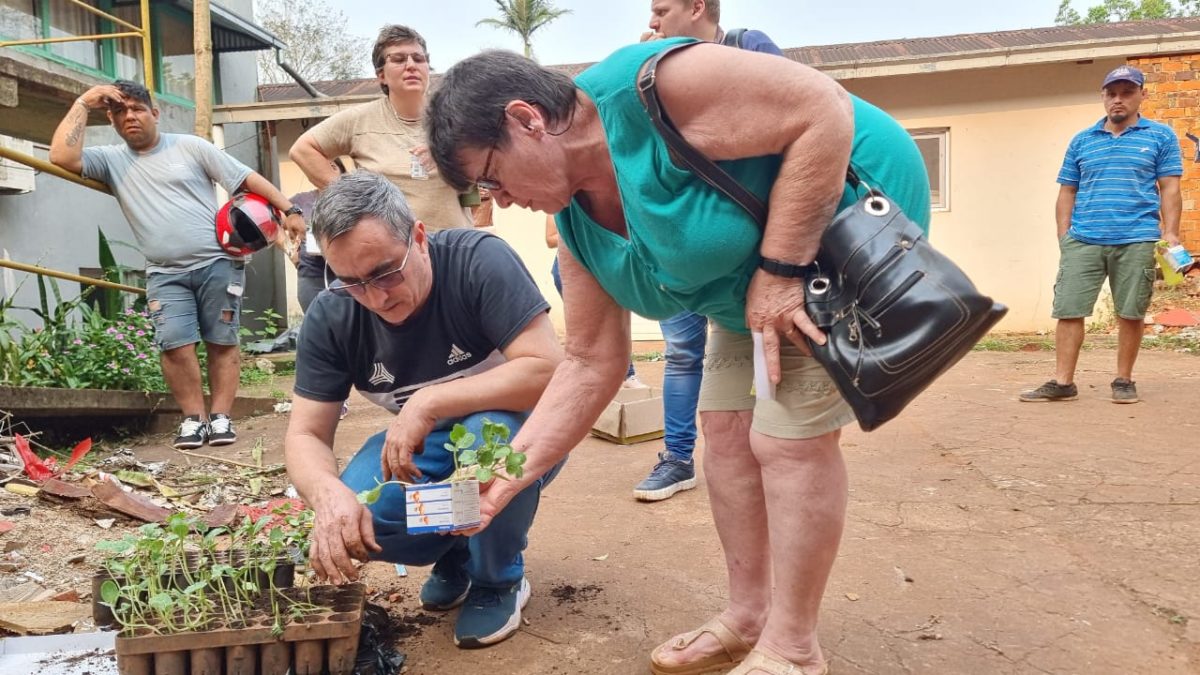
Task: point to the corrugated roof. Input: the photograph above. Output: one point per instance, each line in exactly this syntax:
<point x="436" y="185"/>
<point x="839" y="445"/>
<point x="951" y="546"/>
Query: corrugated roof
<point x="828" y="56"/>
<point x="286" y="92"/>
<point x="932" y="47"/>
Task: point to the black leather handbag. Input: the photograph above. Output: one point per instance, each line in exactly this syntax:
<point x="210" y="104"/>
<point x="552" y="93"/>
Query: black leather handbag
<point x="897" y="313"/>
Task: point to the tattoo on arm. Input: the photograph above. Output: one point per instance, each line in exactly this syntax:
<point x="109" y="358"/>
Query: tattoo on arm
<point x="76" y="133"/>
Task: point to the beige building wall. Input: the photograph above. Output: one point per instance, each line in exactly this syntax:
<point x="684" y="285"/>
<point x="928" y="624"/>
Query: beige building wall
<point x="1008" y="130"/>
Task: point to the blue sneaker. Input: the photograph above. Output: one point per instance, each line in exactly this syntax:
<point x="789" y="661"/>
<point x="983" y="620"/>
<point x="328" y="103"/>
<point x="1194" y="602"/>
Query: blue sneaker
<point x="669" y="476"/>
<point x="448" y="583"/>
<point x="490" y="615"/>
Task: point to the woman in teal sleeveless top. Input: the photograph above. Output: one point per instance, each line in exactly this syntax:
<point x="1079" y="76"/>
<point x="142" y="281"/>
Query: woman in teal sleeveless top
<point x="642" y="234"/>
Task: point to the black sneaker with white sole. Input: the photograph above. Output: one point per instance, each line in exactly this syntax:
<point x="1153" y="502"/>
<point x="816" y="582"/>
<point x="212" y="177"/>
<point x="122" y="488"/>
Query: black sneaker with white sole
<point x="220" y="430"/>
<point x="193" y="431"/>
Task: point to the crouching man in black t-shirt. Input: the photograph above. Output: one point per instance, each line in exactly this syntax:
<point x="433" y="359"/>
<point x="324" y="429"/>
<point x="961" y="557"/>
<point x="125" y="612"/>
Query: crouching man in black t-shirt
<point x="438" y="329"/>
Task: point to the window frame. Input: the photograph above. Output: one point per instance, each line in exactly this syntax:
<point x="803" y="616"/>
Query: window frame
<point x="942" y="136"/>
<point x="107" y="50"/>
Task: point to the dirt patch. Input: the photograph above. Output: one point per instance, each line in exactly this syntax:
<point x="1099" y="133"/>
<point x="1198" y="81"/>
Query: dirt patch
<point x="567" y="593"/>
<point x="1039" y="536"/>
<point x="411" y="625"/>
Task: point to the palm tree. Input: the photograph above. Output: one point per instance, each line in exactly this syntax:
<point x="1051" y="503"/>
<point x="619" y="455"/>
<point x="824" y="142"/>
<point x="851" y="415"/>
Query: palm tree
<point x="523" y="17"/>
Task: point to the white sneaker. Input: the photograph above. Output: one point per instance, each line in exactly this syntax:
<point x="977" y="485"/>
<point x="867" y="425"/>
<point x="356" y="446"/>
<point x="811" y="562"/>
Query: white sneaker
<point x="632" y="382"/>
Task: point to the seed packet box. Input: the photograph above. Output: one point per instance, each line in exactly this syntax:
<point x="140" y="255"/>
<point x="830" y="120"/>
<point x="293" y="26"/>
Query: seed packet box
<point x="442" y="507"/>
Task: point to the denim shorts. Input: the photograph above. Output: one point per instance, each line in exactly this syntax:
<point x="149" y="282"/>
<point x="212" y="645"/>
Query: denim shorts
<point x="202" y="304"/>
<point x="806" y="405"/>
<point x="1082" y="269"/>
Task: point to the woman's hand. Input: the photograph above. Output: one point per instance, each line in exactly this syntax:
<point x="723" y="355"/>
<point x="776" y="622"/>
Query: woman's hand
<point x="494" y="495"/>
<point x="775" y="306"/>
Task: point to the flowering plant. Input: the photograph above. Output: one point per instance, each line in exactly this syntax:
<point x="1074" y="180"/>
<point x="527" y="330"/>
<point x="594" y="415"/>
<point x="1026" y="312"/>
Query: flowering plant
<point x="93" y="352"/>
<point x="112" y="353"/>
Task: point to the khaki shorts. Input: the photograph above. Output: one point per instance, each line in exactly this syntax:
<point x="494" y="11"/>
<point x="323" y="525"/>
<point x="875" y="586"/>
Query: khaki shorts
<point x="1082" y="269"/>
<point x="807" y="403"/>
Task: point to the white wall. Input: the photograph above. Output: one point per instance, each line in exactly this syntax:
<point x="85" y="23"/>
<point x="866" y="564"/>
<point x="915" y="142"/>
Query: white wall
<point x="1008" y="129"/>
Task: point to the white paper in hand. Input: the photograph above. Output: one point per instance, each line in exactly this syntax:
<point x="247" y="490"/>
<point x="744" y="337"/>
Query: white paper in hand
<point x="764" y="389"/>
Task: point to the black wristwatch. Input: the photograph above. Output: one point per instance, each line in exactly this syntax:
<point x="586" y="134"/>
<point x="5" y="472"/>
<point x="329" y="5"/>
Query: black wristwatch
<point x="294" y="211"/>
<point x="782" y="269"/>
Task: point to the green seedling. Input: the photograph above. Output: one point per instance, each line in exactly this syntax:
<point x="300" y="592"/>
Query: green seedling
<point x="183" y="576"/>
<point x="481" y="463"/>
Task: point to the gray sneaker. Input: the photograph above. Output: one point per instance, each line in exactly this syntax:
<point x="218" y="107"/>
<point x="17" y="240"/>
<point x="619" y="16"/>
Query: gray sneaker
<point x="1124" y="391"/>
<point x="490" y="615"/>
<point x="1051" y="391"/>
<point x="448" y="583"/>
<point x="667" y="477"/>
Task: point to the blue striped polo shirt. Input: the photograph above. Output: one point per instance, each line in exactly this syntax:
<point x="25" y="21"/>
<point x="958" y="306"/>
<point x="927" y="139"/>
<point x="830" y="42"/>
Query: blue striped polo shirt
<point x="1117" y="176"/>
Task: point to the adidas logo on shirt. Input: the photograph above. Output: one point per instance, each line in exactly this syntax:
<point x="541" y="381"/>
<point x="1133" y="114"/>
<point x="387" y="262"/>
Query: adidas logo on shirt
<point x="380" y="375"/>
<point x="457" y="355"/>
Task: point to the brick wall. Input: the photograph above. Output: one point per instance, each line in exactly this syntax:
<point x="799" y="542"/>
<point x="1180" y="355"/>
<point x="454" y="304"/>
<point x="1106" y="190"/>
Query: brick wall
<point x="1173" y="97"/>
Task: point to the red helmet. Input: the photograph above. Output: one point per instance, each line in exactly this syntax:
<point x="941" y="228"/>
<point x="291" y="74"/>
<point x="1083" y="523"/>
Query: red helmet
<point x="247" y="223"/>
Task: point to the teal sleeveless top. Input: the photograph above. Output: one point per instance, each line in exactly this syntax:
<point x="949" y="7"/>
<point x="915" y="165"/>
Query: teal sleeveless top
<point x="690" y="248"/>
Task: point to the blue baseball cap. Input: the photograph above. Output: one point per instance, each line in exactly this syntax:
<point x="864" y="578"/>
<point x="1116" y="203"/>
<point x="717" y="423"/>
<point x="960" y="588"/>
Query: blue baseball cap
<point x="1127" y="74"/>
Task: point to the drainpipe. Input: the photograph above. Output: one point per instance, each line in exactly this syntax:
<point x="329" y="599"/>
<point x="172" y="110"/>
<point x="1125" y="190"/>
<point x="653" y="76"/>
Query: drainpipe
<point x="296" y="76"/>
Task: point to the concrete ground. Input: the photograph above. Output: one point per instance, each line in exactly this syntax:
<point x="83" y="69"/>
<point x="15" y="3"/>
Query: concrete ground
<point x="984" y="536"/>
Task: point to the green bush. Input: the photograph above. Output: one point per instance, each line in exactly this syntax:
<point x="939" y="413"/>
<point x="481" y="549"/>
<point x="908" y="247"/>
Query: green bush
<point x="92" y="352"/>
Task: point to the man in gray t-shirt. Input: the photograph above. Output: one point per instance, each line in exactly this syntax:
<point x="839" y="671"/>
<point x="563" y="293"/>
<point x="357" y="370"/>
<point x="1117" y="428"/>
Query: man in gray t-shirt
<point x="164" y="184"/>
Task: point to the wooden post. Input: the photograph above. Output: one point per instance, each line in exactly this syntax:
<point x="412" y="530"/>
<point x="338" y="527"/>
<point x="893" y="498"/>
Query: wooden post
<point x="202" y="48"/>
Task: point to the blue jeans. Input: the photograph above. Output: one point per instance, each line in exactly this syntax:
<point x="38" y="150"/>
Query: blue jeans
<point x="629" y="372"/>
<point x="496" y="558"/>
<point x="203" y="304"/>
<point x="685" y="335"/>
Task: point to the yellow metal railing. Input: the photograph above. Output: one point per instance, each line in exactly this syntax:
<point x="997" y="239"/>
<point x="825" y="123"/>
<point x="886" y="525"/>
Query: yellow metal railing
<point x="47" y="272"/>
<point x="52" y="169"/>
<point x="142" y="32"/>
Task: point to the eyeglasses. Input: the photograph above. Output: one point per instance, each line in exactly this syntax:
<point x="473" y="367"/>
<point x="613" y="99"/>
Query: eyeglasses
<point x="401" y="58"/>
<point x="483" y="181"/>
<point x="385" y="281"/>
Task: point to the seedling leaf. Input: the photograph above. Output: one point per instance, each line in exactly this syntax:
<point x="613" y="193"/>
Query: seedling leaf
<point x="109" y="592"/>
<point x="371" y="496"/>
<point x="160" y="602"/>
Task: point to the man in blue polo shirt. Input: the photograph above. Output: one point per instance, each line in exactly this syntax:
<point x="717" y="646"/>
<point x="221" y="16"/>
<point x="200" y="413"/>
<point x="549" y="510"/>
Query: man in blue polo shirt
<point x="1118" y="177"/>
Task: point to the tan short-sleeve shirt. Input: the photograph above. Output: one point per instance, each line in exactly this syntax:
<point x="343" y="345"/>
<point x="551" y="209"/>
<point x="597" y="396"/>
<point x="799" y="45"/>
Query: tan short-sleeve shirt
<point x="379" y="140"/>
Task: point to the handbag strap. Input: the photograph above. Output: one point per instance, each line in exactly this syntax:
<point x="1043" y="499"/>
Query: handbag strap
<point x="687" y="155"/>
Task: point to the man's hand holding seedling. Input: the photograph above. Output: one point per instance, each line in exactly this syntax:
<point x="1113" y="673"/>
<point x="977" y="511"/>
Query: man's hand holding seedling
<point x="342" y="533"/>
<point x="405" y="436"/>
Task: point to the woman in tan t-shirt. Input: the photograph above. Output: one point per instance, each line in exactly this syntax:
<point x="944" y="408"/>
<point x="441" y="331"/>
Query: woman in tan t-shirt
<point x="385" y="135"/>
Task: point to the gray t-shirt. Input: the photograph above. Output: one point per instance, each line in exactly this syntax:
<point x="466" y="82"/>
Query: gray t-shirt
<point x="482" y="299"/>
<point x="168" y="198"/>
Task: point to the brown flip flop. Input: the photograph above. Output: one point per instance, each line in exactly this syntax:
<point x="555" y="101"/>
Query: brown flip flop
<point x="766" y="663"/>
<point x="735" y="649"/>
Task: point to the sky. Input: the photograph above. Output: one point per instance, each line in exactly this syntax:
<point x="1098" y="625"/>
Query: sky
<point x="597" y="27"/>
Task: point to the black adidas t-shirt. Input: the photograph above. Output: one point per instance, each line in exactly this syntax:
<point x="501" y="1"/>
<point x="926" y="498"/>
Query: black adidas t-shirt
<point x="481" y="300"/>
